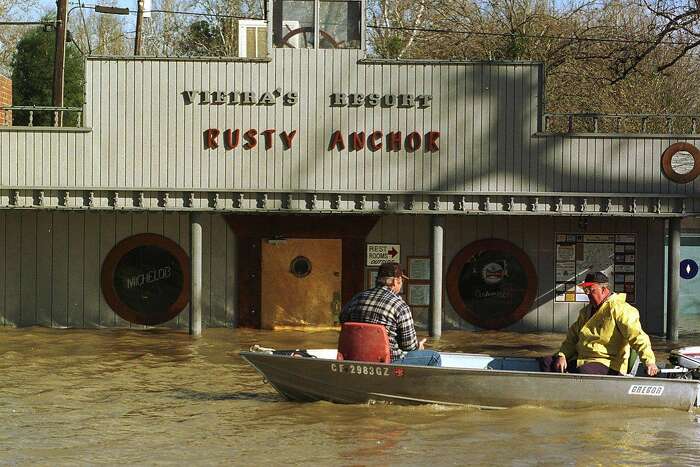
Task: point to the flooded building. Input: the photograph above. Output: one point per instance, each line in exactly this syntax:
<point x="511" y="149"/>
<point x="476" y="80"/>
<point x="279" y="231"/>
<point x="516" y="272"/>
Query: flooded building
<point x="266" y="189"/>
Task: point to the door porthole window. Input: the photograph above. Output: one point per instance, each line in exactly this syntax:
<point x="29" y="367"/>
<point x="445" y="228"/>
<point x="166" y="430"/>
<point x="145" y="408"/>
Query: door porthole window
<point x="680" y="162"/>
<point x="300" y="266"/>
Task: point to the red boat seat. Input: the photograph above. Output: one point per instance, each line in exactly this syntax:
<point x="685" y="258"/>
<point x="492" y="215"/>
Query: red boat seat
<point x="364" y="342"/>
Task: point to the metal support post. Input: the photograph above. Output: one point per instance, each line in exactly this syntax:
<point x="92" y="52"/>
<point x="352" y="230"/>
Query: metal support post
<point x="196" y="272"/>
<point x="674" y="265"/>
<point x="438" y="235"/>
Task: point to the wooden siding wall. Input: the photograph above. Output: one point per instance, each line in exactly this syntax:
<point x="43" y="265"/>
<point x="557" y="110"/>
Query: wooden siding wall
<point x="536" y="237"/>
<point x="50" y="263"/>
<point x="137" y="110"/>
<point x="50" y="266"/>
<point x="144" y="136"/>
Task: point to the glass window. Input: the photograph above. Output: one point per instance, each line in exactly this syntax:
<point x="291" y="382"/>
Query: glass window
<point x="340" y="24"/>
<point x="293" y="23"/>
<point x="252" y="38"/>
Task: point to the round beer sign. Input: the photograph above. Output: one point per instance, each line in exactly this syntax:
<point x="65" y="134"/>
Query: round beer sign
<point x="491" y="283"/>
<point x="146" y="278"/>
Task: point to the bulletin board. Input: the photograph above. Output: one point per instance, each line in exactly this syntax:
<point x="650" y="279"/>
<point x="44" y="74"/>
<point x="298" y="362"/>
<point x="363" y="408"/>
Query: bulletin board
<point x="581" y="254"/>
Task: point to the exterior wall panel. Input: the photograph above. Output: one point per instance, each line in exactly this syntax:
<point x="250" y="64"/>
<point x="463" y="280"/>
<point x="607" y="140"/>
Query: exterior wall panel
<point x="44" y="267"/>
<point x="92" y="262"/>
<point x="56" y="258"/>
<point x="28" y="267"/>
<point x="13" y="302"/>
<point x="547" y="319"/>
<point x="656" y="293"/>
<point x="536" y="237"/>
<point x="50" y="265"/>
<point x="76" y="270"/>
<point x="3" y="267"/>
<point x="183" y="319"/>
<point x="60" y="258"/>
<point x="107" y="240"/>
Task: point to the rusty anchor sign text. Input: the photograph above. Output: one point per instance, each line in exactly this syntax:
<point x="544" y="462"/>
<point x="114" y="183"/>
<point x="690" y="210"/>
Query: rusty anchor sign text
<point x="375" y="140"/>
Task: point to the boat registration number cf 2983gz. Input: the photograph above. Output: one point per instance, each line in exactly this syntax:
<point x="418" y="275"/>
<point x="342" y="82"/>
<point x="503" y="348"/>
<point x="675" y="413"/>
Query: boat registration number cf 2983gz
<point x="359" y="369"/>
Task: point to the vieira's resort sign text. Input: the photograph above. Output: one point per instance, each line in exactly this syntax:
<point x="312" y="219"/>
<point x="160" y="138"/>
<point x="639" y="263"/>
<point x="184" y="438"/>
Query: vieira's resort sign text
<point x="232" y="138"/>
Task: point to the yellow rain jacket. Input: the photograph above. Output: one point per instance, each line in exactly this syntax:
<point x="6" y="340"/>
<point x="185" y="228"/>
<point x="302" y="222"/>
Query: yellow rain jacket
<point x="606" y="336"/>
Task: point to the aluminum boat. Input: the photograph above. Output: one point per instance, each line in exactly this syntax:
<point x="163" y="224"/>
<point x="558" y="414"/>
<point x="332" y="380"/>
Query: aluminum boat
<point x="478" y="380"/>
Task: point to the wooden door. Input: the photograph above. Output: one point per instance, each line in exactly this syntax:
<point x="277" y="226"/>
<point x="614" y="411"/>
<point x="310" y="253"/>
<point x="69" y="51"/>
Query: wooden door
<point x="300" y="282"/>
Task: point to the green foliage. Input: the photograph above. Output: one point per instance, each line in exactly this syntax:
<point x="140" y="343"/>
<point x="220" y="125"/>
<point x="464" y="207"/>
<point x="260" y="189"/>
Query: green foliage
<point x="32" y="77"/>
<point x="390" y="46"/>
<point x="202" y="38"/>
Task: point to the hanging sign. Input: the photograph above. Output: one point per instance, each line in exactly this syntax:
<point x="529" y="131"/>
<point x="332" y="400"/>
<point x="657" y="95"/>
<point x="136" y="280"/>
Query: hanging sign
<point x="378" y="253"/>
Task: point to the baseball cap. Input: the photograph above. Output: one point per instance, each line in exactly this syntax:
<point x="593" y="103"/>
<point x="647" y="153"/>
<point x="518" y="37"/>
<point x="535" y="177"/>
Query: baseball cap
<point x="391" y="270"/>
<point x="594" y="278"/>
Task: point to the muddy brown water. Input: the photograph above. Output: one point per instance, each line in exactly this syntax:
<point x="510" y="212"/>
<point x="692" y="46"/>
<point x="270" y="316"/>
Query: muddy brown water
<point x="106" y="397"/>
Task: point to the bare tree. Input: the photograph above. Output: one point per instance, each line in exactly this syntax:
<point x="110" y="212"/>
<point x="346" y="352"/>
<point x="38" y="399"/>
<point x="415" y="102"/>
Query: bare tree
<point x="99" y="34"/>
<point x="163" y="31"/>
<point x="13" y="10"/>
<point x="658" y="34"/>
<point x="598" y="56"/>
<point x="397" y="24"/>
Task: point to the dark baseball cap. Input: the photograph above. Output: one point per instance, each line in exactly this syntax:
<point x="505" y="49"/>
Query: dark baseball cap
<point x="594" y="278"/>
<point x="391" y="270"/>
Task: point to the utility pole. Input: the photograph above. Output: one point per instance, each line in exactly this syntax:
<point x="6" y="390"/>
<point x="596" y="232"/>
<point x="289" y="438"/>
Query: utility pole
<point x="60" y="54"/>
<point x="139" y="25"/>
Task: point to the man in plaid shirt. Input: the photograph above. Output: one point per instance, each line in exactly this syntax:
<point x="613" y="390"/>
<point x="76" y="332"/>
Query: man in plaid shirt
<point x="383" y="305"/>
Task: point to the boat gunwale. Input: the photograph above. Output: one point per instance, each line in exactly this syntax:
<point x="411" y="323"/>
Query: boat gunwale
<point x="490" y="371"/>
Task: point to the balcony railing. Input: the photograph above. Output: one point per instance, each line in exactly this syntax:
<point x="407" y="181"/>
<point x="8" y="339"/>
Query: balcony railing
<point x="621" y="123"/>
<point x="41" y="116"/>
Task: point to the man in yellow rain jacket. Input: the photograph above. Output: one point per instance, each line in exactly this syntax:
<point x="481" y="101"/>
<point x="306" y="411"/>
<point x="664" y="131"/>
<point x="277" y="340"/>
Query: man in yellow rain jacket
<point x="601" y="337"/>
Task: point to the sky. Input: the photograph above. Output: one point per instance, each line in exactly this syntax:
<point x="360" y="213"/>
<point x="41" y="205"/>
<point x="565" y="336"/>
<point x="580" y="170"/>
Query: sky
<point x="50" y="5"/>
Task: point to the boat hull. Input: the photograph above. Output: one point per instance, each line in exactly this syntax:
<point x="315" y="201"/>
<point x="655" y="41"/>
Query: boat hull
<point x="314" y="379"/>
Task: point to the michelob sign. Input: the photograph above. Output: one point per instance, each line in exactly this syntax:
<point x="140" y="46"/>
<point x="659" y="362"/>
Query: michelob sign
<point x="145" y="279"/>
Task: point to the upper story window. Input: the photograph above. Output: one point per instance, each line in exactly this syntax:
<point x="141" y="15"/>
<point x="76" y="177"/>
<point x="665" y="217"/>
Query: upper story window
<point x="341" y="23"/>
<point x="323" y="24"/>
<point x="252" y="38"/>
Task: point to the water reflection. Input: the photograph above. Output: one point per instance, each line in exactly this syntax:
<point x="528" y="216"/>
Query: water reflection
<point x="159" y="397"/>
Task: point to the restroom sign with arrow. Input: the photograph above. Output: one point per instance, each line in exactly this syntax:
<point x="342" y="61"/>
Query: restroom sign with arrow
<point x="378" y="253"/>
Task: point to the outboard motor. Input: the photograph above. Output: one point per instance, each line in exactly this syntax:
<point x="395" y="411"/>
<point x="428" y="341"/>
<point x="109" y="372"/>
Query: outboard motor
<point x="687" y="358"/>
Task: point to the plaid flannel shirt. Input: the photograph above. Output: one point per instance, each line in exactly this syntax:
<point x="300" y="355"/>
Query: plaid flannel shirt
<point x="382" y="306"/>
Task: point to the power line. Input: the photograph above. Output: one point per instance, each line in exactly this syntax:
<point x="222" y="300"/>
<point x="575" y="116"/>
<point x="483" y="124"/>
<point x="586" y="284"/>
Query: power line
<point x="189" y="13"/>
<point x="441" y="31"/>
<point x="427" y="30"/>
<point x="27" y="23"/>
<point x="215" y="15"/>
<point x="530" y="36"/>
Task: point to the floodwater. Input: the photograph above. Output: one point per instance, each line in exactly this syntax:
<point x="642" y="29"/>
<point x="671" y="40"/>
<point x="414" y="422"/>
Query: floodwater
<point x="106" y="397"/>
